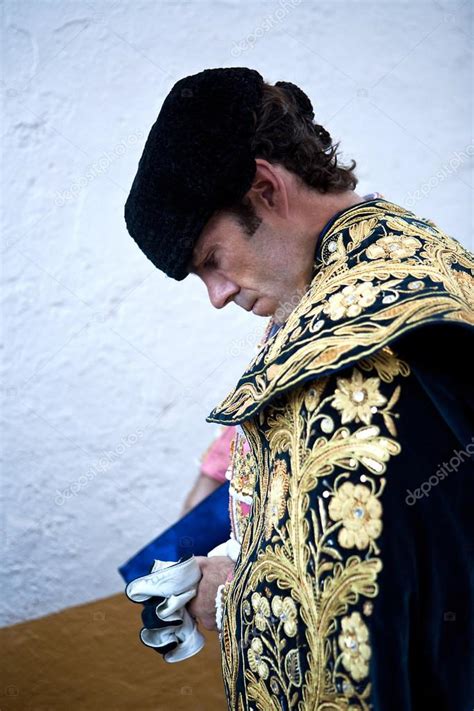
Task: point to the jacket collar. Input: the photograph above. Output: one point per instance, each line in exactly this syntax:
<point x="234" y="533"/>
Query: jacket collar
<point x="379" y="272"/>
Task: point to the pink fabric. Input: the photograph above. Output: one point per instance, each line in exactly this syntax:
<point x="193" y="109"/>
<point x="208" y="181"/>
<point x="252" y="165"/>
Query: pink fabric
<point x="216" y="459"/>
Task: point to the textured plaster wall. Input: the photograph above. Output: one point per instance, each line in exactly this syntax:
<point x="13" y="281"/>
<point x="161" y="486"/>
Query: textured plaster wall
<point x="109" y="368"/>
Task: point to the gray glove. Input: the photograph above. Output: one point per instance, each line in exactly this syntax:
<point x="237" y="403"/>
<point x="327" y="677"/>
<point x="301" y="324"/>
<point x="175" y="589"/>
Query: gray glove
<point x="164" y="592"/>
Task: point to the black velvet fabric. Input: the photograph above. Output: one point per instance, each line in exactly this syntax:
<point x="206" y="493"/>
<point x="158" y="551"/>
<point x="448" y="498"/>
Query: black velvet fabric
<point x="197" y="159"/>
<point x="422" y="629"/>
<point x="421" y="621"/>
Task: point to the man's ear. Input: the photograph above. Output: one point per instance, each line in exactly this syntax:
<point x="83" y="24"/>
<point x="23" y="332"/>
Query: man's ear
<point x="268" y="191"/>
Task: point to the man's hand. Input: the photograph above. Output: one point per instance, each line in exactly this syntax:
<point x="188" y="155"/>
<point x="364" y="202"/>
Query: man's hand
<point x="214" y="572"/>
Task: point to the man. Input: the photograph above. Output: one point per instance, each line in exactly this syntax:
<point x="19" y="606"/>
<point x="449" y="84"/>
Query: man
<point x="352" y="588"/>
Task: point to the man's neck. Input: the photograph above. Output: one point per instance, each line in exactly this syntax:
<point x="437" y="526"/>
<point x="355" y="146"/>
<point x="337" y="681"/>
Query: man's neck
<point x="321" y="208"/>
<point x="317" y="210"/>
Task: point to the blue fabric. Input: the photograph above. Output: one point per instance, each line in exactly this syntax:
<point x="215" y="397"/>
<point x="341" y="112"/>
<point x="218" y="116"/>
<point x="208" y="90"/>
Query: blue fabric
<point x="200" y="530"/>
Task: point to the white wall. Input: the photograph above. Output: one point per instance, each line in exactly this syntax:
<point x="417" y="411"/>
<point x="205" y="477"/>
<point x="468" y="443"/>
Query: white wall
<point x="109" y="366"/>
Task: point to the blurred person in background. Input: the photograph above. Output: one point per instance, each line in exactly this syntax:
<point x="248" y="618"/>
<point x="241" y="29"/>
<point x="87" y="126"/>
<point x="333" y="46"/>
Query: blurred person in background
<point x="214" y="464"/>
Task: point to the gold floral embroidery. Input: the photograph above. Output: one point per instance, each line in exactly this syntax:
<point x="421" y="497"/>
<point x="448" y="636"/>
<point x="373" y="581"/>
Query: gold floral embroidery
<point x="256" y="659"/>
<point x="351" y="300"/>
<point x="312" y="397"/>
<point x="261" y="608"/>
<point x="357" y="397"/>
<point x="242" y="474"/>
<point x="466" y="283"/>
<point x="353" y="642"/>
<point x="361" y="230"/>
<point x="276" y="503"/>
<point x="360" y="512"/>
<point x="243" y="467"/>
<point x="386" y="364"/>
<point x="368" y="608"/>
<point x="393" y="247"/>
<point x="285" y="610"/>
<point x="294" y="633"/>
<point x="293" y="667"/>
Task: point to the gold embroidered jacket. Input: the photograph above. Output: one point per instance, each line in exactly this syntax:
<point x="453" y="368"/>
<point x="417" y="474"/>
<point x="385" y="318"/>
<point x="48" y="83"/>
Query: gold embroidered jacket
<point x="353" y="588"/>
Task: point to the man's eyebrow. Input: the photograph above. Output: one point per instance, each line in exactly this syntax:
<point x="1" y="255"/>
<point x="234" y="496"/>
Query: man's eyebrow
<point x="193" y="264"/>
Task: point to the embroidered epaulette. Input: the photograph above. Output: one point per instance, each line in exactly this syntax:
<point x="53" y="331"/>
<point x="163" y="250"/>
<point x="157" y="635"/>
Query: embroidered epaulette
<point x="379" y="272"/>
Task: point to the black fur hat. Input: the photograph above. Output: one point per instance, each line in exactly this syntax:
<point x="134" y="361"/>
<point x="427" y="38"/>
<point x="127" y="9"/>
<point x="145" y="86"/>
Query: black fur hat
<point x="197" y="159"/>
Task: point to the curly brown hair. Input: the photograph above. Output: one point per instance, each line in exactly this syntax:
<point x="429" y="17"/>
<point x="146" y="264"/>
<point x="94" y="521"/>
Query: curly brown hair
<point x="286" y="133"/>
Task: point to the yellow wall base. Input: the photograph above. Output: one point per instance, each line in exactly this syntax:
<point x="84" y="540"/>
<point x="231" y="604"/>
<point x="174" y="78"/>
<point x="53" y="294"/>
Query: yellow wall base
<point x="90" y="658"/>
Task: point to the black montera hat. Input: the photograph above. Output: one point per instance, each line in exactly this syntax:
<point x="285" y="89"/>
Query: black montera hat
<point x="197" y="159"/>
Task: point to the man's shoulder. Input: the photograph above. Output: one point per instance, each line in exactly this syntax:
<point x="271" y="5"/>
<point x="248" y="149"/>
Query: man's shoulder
<point x="380" y="274"/>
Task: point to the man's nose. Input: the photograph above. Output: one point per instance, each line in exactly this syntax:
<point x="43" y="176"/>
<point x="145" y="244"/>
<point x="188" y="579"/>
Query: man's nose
<point x="221" y="291"/>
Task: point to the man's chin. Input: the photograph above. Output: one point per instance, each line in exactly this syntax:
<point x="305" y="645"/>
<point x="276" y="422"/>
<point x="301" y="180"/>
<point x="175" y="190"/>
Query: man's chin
<point x="262" y="308"/>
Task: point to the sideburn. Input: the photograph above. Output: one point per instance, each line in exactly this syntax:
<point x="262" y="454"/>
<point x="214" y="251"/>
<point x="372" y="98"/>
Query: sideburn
<point x="246" y="217"/>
